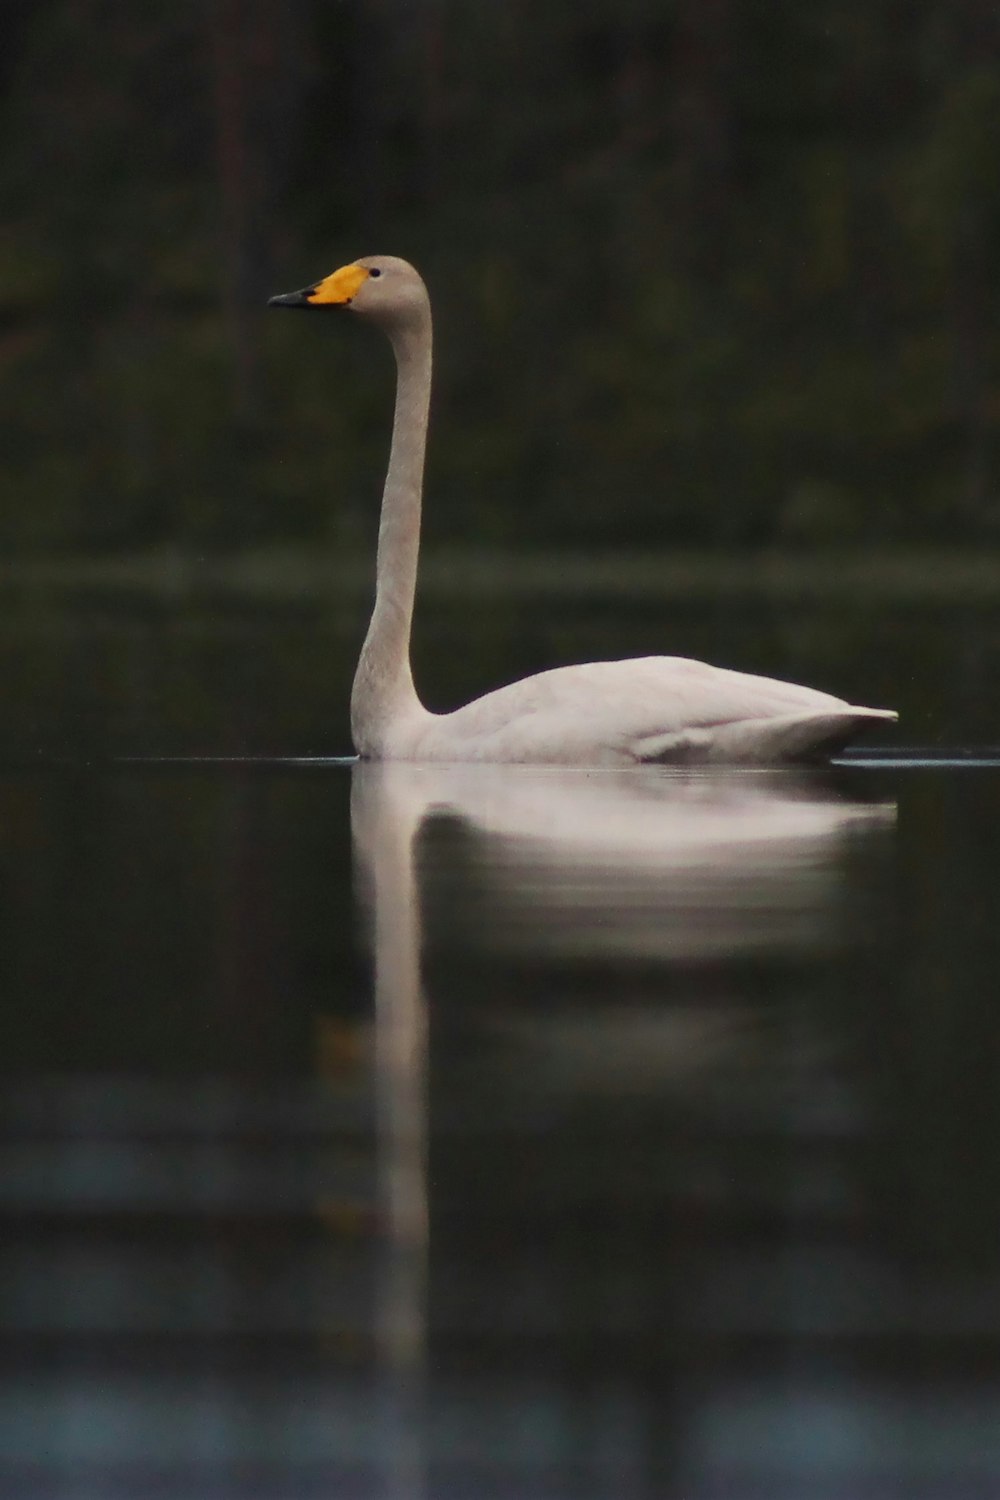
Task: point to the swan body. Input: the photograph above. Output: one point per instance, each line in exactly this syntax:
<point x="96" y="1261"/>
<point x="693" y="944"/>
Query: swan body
<point x="652" y="709"/>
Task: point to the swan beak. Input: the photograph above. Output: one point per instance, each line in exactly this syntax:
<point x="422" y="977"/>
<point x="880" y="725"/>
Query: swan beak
<point x="334" y="291"/>
<point x="291" y="299"/>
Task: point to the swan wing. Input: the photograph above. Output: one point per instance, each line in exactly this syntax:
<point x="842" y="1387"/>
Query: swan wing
<point x="663" y="709"/>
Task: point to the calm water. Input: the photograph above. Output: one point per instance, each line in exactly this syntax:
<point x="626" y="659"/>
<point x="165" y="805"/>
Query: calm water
<point x="446" y="1133"/>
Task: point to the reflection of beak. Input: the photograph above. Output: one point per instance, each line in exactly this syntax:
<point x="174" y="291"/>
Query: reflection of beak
<point x="293" y="299"/>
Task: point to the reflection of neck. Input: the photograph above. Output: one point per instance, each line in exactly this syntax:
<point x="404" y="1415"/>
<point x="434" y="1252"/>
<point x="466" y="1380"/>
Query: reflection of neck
<point x="384" y="830"/>
<point x="383" y="684"/>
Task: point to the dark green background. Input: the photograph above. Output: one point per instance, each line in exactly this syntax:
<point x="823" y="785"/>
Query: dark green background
<point x="713" y="272"/>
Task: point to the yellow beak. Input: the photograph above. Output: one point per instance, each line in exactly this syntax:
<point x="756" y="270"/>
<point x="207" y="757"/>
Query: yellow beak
<point x="335" y="290"/>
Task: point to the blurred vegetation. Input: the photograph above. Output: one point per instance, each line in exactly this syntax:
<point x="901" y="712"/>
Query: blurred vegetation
<point x="705" y="271"/>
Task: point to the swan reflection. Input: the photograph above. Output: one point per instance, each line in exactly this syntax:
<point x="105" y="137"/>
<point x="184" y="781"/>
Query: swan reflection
<point x="679" y="870"/>
<point x="647" y="863"/>
<point x="674" y="874"/>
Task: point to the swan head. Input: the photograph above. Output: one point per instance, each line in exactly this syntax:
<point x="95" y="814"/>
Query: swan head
<point x="381" y="287"/>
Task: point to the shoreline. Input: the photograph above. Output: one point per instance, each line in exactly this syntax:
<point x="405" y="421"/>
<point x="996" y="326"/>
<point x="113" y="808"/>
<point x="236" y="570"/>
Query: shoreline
<point x="301" y="576"/>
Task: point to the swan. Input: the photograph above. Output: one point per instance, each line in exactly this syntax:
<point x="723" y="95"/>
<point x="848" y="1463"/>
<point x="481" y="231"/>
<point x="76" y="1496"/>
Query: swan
<point x="649" y="709"/>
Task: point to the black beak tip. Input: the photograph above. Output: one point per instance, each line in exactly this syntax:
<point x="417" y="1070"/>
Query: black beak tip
<point x="291" y="299"/>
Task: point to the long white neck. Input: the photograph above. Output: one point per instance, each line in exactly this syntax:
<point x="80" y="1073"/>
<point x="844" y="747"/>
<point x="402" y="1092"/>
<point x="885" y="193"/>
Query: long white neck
<point x="383" y="690"/>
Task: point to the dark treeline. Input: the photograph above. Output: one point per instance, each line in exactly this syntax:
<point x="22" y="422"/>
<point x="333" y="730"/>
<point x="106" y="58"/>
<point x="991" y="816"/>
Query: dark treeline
<point x="712" y="271"/>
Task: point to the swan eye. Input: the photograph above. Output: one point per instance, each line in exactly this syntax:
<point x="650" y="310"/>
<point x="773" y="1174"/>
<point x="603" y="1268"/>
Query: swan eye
<point x="374" y="271"/>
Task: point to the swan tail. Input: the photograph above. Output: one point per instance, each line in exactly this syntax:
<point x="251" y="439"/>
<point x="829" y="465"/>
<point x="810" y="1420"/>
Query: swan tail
<point x="784" y="738"/>
<point x="797" y="737"/>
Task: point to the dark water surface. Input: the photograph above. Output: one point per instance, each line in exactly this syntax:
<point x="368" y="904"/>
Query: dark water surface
<point x="442" y="1132"/>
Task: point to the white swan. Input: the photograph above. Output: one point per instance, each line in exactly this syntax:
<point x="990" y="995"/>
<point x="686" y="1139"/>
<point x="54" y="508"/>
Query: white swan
<point x="664" y="709"/>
